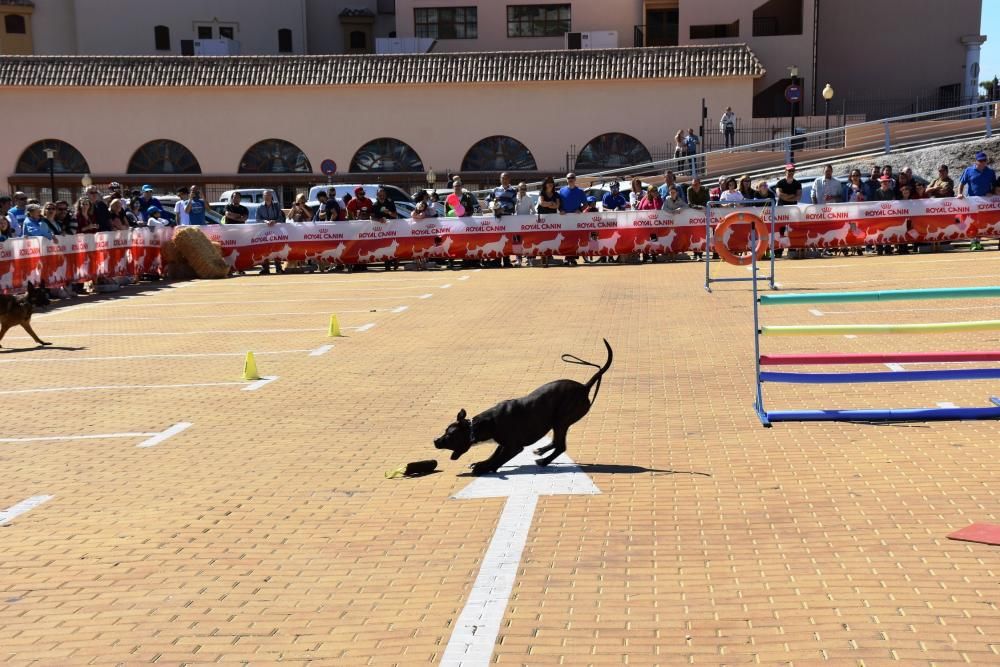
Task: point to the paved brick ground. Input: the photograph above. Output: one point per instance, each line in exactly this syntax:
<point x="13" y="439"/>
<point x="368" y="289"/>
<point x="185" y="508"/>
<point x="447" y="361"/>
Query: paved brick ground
<point x="267" y="532"/>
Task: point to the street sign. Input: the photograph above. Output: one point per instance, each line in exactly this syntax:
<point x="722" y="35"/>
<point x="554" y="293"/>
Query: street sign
<point x="328" y="167"/>
<point x="793" y="93"/>
<point x="474" y="633"/>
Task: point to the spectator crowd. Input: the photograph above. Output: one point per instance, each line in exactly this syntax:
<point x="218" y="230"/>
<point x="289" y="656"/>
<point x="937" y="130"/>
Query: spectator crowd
<point x="122" y="210"/>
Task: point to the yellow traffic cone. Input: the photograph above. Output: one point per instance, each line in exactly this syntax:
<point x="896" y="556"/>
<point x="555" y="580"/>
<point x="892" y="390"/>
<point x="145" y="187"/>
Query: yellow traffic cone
<point x="250" y="368"/>
<point x="334" y="327"/>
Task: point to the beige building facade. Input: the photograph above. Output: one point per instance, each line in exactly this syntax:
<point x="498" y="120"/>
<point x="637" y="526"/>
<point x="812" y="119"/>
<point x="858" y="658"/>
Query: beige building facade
<point x="221" y="27"/>
<point x="863" y="49"/>
<point x="386" y="118"/>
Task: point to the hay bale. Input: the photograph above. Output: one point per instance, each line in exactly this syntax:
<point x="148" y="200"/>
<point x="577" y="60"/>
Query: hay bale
<point x="200" y="254"/>
<point x="168" y="252"/>
<point x="179" y="270"/>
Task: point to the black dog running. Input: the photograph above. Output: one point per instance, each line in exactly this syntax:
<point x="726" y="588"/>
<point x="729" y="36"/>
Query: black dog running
<point x="520" y="422"/>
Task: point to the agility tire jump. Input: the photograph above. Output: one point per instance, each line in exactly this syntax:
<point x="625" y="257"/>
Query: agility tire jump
<point x="767" y="418"/>
<point x="741" y="218"/>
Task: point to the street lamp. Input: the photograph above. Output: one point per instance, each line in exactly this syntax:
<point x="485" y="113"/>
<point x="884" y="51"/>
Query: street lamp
<point x="431" y="179"/>
<point x="793" y="74"/>
<point x="50" y="155"/>
<point x="86" y="181"/>
<point x="827" y="96"/>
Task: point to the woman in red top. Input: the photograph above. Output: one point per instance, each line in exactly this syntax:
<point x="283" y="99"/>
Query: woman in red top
<point x="652" y="201"/>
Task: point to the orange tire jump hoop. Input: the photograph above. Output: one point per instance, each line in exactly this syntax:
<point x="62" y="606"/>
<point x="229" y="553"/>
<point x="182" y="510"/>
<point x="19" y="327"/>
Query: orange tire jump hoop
<point x="741" y="218"/>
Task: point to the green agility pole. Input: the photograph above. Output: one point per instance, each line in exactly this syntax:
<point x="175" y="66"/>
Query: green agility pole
<point x="884" y="295"/>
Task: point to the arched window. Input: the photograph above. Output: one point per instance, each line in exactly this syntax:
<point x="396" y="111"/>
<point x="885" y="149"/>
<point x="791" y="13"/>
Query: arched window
<point x="284" y="41"/>
<point x="14" y="24"/>
<point x="163" y="156"/>
<point x="499" y="153"/>
<point x="359" y="40"/>
<point x="68" y="160"/>
<point x="161" y="38"/>
<point x="274" y="156"/>
<point x="611" y="151"/>
<point x="386" y="154"/>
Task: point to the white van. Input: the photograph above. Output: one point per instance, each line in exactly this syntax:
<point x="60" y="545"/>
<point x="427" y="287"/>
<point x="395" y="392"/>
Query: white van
<point x="248" y="196"/>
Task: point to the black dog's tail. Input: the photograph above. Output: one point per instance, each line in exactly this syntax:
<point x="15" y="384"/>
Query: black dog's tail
<point x="596" y="380"/>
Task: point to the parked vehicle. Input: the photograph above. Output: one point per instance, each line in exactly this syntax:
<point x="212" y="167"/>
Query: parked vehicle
<point x="249" y="196"/>
<point x="395" y="193"/>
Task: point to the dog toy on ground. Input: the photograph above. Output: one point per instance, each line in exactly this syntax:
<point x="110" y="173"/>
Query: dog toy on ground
<point x="414" y="469"/>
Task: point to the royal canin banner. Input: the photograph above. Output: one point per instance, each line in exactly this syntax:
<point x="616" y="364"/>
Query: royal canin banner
<point x="86" y="257"/>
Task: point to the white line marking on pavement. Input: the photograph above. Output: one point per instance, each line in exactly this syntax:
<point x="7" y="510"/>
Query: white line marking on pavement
<point x="193" y="355"/>
<point x="465" y="277"/>
<point x="364" y="327"/>
<point x="863" y="282"/>
<point x="320" y="351"/>
<point x="255" y="315"/>
<point x="118" y="387"/>
<point x="400" y="309"/>
<point x="476" y="629"/>
<point x="446" y="286"/>
<point x="425" y="296"/>
<point x="165" y="434"/>
<point x="14" y="511"/>
<point x="895" y="368"/>
<point x="152" y="438"/>
<point x="989" y="305"/>
<point x="263" y="381"/>
<point x="243" y="302"/>
<point x="817" y="313"/>
<point x="181" y="333"/>
<point x="850" y="336"/>
<point x="946" y="404"/>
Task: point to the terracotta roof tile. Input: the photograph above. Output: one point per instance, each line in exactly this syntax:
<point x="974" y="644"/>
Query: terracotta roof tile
<point x="721" y="60"/>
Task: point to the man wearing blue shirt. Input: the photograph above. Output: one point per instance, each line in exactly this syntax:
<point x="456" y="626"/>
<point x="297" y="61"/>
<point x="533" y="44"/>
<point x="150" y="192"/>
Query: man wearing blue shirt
<point x="16" y="213"/>
<point x="34" y="224"/>
<point x="670" y="181"/>
<point x="979" y="179"/>
<point x="573" y="201"/>
<point x="614" y="201"/>
<point x="195" y="207"/>
<point x="147" y="200"/>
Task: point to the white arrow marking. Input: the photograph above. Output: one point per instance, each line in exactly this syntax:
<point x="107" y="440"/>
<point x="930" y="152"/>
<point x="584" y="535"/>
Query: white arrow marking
<point x="521" y="481"/>
<point x="14" y="511"/>
<point x="425" y="296"/>
<point x="446" y="286"/>
<point x="465" y="277"/>
<point x="152" y="439"/>
<point x="365" y="327"/>
<point x="400" y="309"/>
<point x="264" y="380"/>
<point x="321" y="350"/>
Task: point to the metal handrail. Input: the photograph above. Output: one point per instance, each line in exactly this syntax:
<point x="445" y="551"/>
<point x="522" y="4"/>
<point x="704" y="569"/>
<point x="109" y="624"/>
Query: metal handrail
<point x="969" y="111"/>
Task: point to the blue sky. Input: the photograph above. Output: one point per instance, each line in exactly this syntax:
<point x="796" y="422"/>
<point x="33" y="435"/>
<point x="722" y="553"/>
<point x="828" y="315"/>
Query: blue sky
<point x="989" y="64"/>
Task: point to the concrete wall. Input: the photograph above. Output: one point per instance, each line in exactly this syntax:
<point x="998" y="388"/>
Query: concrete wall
<point x="54" y="24"/>
<point x="863" y="59"/>
<point x="776" y="53"/>
<point x="335" y="122"/>
<point x="619" y="15"/>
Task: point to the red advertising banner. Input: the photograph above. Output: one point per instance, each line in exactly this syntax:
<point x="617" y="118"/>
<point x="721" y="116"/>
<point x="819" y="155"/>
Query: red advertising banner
<point x="86" y="257"/>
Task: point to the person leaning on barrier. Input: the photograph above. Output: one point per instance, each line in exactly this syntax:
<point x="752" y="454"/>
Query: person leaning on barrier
<point x="614" y="200"/>
<point x="236" y="213"/>
<point x="697" y="194"/>
<point x="669" y="181"/>
<point x="980" y="181"/>
<point x="855" y="190"/>
<point x="34" y="223"/>
<point x="788" y="189"/>
<point x="943" y="185"/>
<point x="270" y="213"/>
<point x="503" y="199"/>
<point x="673" y="201"/>
<point x="524" y="205"/>
<point x="636" y="193"/>
<point x="827" y="189"/>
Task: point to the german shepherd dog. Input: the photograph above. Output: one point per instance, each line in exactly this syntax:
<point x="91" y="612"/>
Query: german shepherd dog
<point x="16" y="311"/>
<point x="520" y="422"/>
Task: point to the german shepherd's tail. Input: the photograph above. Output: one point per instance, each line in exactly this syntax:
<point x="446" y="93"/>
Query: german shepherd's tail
<point x="596" y="380"/>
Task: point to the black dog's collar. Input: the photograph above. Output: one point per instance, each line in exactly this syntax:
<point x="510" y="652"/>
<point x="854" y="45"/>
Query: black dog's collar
<point x="472" y="433"/>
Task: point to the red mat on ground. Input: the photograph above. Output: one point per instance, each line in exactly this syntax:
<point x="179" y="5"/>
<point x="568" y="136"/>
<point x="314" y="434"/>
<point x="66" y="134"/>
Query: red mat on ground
<point x="984" y="533"/>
